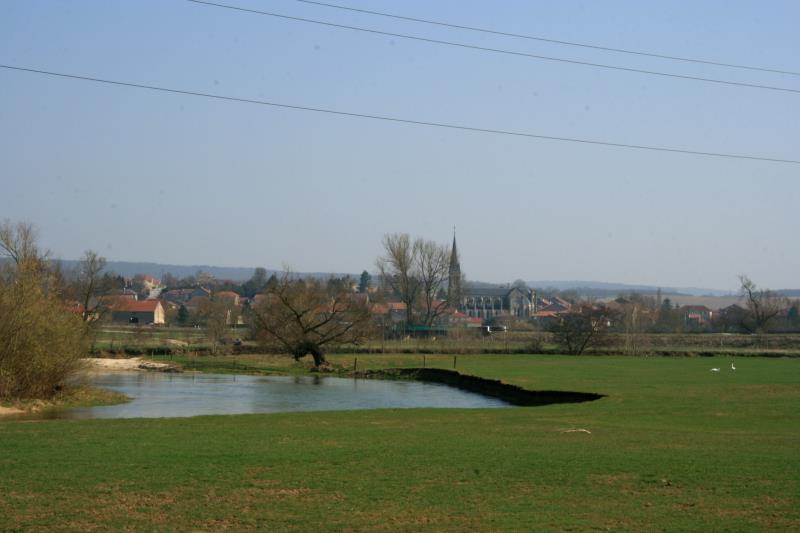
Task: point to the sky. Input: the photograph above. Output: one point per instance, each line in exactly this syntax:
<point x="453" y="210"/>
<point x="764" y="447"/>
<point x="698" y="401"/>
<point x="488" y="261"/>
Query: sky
<point x="150" y="176"/>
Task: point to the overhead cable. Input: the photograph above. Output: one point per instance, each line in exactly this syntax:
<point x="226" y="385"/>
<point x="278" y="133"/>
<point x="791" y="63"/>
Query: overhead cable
<point x="551" y="40"/>
<point x="497" y="50"/>
<point x="401" y="120"/>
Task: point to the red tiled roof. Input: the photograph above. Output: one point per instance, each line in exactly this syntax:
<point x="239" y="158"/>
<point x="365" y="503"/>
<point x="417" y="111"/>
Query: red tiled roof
<point x="136" y="306"/>
<point x="226" y="294"/>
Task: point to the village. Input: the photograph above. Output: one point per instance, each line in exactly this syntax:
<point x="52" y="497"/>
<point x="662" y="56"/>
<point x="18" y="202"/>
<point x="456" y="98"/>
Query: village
<point x="448" y="305"/>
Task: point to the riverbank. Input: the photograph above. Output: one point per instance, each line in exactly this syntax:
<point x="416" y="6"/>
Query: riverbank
<point x="81" y="395"/>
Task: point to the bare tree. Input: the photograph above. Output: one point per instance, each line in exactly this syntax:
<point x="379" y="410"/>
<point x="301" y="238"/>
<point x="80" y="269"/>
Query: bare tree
<point x="397" y="269"/>
<point x="89" y="285"/>
<point x="305" y="316"/>
<point x="18" y="242"/>
<point x="581" y="328"/>
<point x="763" y="305"/>
<point x="432" y="270"/>
<point x="215" y="314"/>
<point x="416" y="271"/>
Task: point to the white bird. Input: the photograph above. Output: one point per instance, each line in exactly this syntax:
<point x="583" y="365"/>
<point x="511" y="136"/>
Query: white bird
<point x="733" y="367"/>
<point x="715" y="369"/>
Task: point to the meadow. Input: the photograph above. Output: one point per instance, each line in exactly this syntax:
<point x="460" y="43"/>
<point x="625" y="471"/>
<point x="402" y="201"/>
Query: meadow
<point x="672" y="446"/>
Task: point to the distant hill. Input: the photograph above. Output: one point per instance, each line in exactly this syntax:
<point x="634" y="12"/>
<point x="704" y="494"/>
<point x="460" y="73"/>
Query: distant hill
<point x="601" y="288"/>
<point x="157" y="270"/>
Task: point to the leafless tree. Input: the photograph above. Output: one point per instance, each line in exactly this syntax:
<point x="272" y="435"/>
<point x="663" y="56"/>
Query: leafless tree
<point x="432" y="270"/>
<point x="305" y="316"/>
<point x="586" y="325"/>
<point x="215" y="315"/>
<point x="416" y="271"/>
<point x="762" y="305"/>
<point x="18" y="242"/>
<point x="398" y="269"/>
<point x="89" y="285"/>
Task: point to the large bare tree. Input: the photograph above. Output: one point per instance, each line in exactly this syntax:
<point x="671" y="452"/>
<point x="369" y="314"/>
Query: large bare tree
<point x="398" y="270"/>
<point x="89" y="284"/>
<point x="584" y="326"/>
<point x="416" y="271"/>
<point x="762" y="305"/>
<point x="432" y="270"/>
<point x="303" y="316"/>
<point x="18" y="241"/>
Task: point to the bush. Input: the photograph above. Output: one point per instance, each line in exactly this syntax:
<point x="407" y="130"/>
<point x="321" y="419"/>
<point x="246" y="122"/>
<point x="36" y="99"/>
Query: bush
<point x="41" y="341"/>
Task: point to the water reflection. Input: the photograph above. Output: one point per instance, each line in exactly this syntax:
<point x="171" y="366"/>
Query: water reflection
<point x="178" y="395"/>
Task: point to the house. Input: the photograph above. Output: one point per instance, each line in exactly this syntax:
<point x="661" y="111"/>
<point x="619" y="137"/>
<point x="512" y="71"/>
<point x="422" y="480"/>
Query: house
<point x="137" y="312"/>
<point x="227" y="296"/>
<point x="184" y="295"/>
<point x="696" y="315"/>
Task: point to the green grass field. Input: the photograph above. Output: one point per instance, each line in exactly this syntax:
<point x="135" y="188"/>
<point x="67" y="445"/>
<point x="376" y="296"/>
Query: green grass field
<point x="673" y="447"/>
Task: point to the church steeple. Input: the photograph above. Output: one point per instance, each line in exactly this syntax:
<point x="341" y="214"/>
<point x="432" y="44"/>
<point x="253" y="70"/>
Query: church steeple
<point x="454" y="277"/>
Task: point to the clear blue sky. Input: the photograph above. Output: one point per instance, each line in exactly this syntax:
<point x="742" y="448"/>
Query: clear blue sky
<point x="145" y="176"/>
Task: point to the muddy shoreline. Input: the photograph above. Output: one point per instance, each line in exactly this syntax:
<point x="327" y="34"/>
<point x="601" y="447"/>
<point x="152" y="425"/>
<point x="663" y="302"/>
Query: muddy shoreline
<point x="512" y="394"/>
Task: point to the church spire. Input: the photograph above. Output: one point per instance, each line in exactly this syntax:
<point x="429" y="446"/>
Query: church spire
<point x="454" y="263"/>
<point x="454" y="277"/>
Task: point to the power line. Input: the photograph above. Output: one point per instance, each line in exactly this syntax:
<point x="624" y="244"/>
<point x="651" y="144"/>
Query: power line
<point x="497" y="50"/>
<point x="549" y="40"/>
<point x="401" y="120"/>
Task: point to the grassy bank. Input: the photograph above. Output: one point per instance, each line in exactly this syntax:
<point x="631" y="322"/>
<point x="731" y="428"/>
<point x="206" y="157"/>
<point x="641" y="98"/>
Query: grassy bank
<point x="672" y="446"/>
<point x="175" y="341"/>
<point x="72" y="396"/>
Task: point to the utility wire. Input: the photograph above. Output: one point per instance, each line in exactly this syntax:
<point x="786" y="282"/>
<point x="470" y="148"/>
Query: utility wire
<point x="496" y="50"/>
<point x="400" y="120"/>
<point x="549" y="40"/>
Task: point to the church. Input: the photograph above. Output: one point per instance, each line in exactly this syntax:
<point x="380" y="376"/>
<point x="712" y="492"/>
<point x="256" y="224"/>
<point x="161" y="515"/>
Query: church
<point x="487" y="302"/>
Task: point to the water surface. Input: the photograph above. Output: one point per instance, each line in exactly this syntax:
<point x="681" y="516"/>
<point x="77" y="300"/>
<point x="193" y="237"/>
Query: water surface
<point x="177" y="395"/>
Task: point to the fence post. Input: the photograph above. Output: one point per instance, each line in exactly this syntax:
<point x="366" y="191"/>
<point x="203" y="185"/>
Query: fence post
<point x="454" y="361"/>
<point x="355" y="363"/>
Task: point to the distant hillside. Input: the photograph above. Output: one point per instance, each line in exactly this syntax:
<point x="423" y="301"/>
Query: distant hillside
<point x="129" y="269"/>
<point x="600" y="288"/>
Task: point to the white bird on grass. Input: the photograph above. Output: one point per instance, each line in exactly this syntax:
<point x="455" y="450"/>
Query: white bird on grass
<point x="733" y="367"/>
<point x="715" y="369"/>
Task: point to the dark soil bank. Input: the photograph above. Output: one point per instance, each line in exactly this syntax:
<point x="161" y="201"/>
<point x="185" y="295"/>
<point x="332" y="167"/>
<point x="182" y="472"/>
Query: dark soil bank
<point x="488" y="387"/>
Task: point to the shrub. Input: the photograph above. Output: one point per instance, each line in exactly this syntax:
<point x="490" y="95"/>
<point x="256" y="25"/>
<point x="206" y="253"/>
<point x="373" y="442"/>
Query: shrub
<point x="41" y="341"/>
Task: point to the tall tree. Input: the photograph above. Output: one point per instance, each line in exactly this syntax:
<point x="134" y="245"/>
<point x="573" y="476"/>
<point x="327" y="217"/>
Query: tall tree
<point x="215" y="314"/>
<point x="432" y="269"/>
<point x="364" y="282"/>
<point x="257" y="283"/>
<point x="89" y="284"/>
<point x="582" y="327"/>
<point x="398" y="270"/>
<point x="763" y="305"/>
<point x="417" y="272"/>
<point x="303" y="317"/>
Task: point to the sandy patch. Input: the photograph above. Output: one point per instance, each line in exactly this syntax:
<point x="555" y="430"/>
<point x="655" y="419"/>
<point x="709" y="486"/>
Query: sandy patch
<point x="133" y="363"/>
<point x="7" y="411"/>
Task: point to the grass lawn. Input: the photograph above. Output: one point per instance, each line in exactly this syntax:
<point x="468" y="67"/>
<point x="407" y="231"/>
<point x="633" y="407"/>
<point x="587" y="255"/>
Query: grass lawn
<point x="673" y="446"/>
